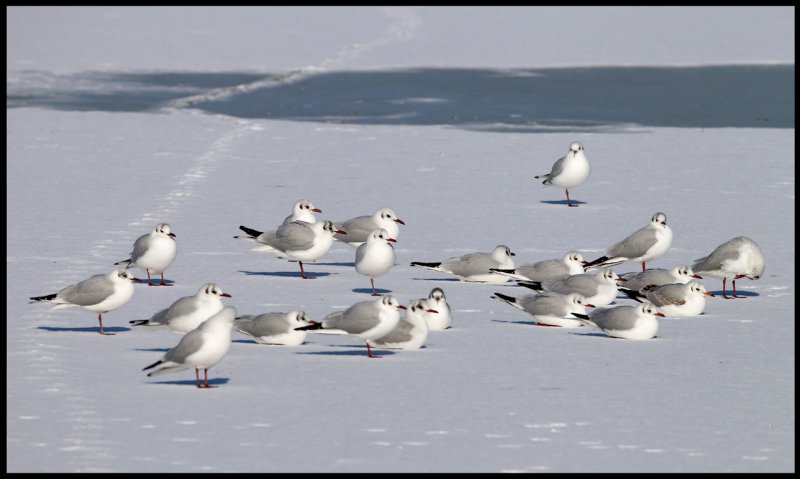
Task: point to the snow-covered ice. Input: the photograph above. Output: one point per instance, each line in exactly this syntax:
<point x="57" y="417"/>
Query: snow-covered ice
<point x="120" y="118"/>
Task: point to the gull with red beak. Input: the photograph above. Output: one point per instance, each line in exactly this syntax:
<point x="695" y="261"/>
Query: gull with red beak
<point x="188" y="312"/>
<point x="572" y="263"/>
<point x="303" y="210"/>
<point x="296" y="241"/>
<point x="359" y="228"/>
<point x="153" y="252"/>
<point x="625" y="322"/>
<point x="645" y="244"/>
<point x="376" y="256"/>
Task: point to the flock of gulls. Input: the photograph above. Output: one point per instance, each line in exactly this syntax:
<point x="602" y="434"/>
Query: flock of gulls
<point x="564" y="287"/>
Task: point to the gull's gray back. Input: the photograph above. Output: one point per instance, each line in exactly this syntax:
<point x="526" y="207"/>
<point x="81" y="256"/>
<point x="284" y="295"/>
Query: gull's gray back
<point x="356" y="319"/>
<point x="88" y="292"/>
<point x="268" y="324"/>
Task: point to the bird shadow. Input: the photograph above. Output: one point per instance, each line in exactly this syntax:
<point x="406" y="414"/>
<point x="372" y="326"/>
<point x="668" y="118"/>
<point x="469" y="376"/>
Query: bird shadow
<point x="193" y="382"/>
<point x="154" y="350"/>
<point x="245" y="341"/>
<point x="155" y="281"/>
<point x="93" y="329"/>
<point x="527" y="323"/>
<point x="351" y="352"/>
<point x="437" y="279"/>
<point x="343" y="263"/>
<point x="563" y="202"/>
<point x="369" y="290"/>
<point x="600" y="335"/>
<point x="738" y="293"/>
<point x="284" y="274"/>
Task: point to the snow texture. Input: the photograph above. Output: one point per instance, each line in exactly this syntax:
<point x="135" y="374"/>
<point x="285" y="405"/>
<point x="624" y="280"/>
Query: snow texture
<point x="119" y="118"/>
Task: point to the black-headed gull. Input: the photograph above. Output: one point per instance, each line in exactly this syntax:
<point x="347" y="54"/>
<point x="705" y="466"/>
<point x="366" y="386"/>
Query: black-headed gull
<point x="200" y="348"/>
<point x="625" y="322"/>
<point x="274" y="328"/>
<point x="188" y="312"/>
<point x="569" y="171"/>
<point x="101" y="293"/>
<point x="359" y="228"/>
<point x="297" y="241"/>
<point x="657" y="276"/>
<point x="645" y="244"/>
<point x="411" y="331"/>
<point x="549" y="308"/>
<point x="598" y="288"/>
<point x="153" y="252"/>
<point x="375" y="257"/>
<point x="303" y="210"/>
<point x="442" y="318"/>
<point x="475" y="267"/>
<point x="365" y="320"/>
<point x="675" y="299"/>
<point x="737" y="258"/>
<point x="572" y="263"/>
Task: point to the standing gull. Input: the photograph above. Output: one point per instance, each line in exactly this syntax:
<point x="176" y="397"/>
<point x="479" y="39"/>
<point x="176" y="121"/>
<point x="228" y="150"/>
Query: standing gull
<point x="737" y="258"/>
<point x="365" y="320"/>
<point x="188" y="312"/>
<point x="625" y="322"/>
<point x="475" y="267"/>
<point x="297" y="241"/>
<point x="101" y="293"/>
<point x="645" y="244"/>
<point x="375" y="257"/>
<point x="358" y="229"/>
<point x="153" y="252"/>
<point x="274" y="328"/>
<point x="569" y="171"/>
<point x="200" y="348"/>
<point x="549" y="308"/>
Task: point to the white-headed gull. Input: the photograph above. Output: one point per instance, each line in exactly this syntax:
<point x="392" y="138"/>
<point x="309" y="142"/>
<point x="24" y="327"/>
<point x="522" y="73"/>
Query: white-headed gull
<point x="598" y="288"/>
<point x="359" y="228"/>
<point x="303" y="210"/>
<point x="297" y="241"/>
<point x="675" y="299"/>
<point x="549" y="308"/>
<point x="569" y="171"/>
<point x="274" y="328"/>
<point x="475" y="267"/>
<point x="572" y="263"/>
<point x="365" y="320"/>
<point x="101" y="293"/>
<point x="188" y="312"/>
<point x="411" y="331"/>
<point x="625" y="322"/>
<point x="645" y="244"/>
<point x="200" y="348"/>
<point x="442" y="318"/>
<point x="376" y="256"/>
<point x="639" y="279"/>
<point x="737" y="258"/>
<point x="153" y="252"/>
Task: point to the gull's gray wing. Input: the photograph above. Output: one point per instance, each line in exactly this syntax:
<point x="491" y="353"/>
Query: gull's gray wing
<point x="357" y="229"/>
<point x="545" y="304"/>
<point x="621" y="318"/>
<point x="558" y="168"/>
<point x="188" y="345"/>
<point x="725" y="252"/>
<point x="88" y="292"/>
<point x="291" y="237"/>
<point x="544" y="269"/>
<point x="635" y="245"/>
<point x="400" y="334"/>
<point x="638" y="280"/>
<point x="470" y="264"/>
<point x="583" y="284"/>
<point x="140" y="247"/>
<point x="668" y="294"/>
<point x="268" y="324"/>
<point x="356" y="319"/>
